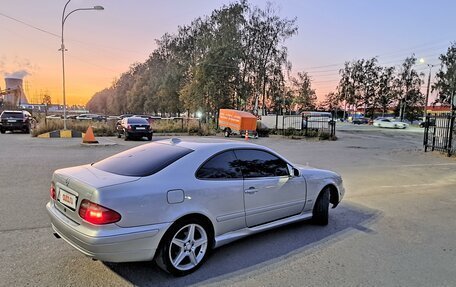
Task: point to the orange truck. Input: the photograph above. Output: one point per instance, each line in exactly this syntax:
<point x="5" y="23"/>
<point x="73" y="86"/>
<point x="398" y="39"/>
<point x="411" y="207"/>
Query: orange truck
<point x="237" y="122"/>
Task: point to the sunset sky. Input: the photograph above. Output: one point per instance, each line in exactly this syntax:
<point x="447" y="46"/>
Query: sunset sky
<point x="103" y="44"/>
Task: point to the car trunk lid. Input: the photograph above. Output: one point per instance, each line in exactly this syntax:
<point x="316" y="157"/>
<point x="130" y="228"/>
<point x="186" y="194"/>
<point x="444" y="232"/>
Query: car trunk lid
<point x="72" y="185"/>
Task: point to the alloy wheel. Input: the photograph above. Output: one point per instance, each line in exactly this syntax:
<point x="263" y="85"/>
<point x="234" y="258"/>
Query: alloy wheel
<point x="188" y="247"/>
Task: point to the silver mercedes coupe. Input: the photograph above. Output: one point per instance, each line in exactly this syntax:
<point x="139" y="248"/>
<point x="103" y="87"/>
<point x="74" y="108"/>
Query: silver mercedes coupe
<point x="175" y="200"/>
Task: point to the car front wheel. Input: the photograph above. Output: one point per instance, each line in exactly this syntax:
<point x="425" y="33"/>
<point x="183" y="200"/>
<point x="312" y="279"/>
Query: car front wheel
<point x="320" y="214"/>
<point x="184" y="248"/>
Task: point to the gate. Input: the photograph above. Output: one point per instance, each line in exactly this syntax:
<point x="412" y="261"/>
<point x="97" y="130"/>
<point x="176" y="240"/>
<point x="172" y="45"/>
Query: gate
<point x="307" y="124"/>
<point x="440" y="133"/>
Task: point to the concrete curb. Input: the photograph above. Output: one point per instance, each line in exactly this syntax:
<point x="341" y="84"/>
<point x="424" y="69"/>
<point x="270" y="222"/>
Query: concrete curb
<point x="62" y="134"/>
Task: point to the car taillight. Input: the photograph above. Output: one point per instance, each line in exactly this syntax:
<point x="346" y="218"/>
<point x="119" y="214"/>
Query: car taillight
<point x="97" y="214"/>
<point x="52" y="191"/>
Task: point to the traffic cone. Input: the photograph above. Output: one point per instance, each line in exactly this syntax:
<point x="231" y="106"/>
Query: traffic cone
<point x="246" y="135"/>
<point x="89" y="137"/>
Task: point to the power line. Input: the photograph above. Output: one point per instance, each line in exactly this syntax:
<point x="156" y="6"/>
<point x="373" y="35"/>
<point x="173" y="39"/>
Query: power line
<point x="29" y="25"/>
<point x="58" y="36"/>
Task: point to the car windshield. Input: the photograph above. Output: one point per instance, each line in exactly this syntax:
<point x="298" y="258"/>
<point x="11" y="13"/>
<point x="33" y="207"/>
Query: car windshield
<point x="16" y="115"/>
<point x="142" y="160"/>
<point x="137" y="121"/>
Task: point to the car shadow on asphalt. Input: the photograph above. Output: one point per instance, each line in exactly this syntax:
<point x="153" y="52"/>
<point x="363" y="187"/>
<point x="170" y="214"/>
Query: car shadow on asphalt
<point x="258" y="250"/>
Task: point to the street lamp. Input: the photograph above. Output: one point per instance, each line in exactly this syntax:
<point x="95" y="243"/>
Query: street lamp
<point x="62" y="48"/>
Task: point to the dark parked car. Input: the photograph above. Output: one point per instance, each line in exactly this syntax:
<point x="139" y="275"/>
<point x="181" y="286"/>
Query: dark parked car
<point x="360" y="121"/>
<point x="134" y="127"/>
<point x="425" y="124"/>
<point x="15" y="120"/>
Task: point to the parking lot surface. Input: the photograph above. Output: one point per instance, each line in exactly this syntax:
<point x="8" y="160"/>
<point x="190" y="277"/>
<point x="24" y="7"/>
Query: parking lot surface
<point x="395" y="227"/>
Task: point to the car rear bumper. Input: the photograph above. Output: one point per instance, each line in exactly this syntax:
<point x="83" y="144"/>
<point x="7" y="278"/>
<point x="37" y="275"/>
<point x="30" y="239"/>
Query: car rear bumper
<point x="109" y="243"/>
<point x="139" y="133"/>
<point x="14" y="126"/>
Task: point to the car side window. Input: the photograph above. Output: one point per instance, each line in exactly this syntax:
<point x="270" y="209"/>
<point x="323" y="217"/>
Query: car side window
<point x="258" y="163"/>
<point x="221" y="166"/>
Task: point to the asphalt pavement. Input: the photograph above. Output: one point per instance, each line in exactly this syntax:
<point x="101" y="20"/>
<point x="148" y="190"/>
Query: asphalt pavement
<point x="395" y="227"/>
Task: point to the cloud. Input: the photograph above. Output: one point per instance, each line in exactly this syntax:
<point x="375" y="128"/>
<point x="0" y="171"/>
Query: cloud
<point x="15" y="67"/>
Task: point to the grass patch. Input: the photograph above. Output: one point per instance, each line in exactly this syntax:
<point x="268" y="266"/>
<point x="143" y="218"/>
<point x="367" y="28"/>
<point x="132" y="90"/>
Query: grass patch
<point x="191" y="127"/>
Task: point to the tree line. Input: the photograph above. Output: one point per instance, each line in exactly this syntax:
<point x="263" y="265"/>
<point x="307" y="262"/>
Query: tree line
<point x="365" y="84"/>
<point x="236" y="58"/>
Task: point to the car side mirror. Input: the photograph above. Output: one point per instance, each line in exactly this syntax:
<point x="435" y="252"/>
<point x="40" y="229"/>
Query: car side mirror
<point x="296" y="172"/>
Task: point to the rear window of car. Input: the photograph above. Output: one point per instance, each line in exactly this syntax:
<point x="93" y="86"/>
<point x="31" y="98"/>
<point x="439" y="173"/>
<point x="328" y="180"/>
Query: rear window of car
<point x="17" y="115"/>
<point x="137" y="121"/>
<point x="143" y="160"/>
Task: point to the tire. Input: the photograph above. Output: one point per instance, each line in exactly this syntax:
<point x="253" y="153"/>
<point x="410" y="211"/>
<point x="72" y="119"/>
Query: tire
<point x="320" y="213"/>
<point x="2" y="131"/>
<point x="126" y="136"/>
<point x="149" y="137"/>
<point x="227" y="133"/>
<point x="182" y="251"/>
<point x="119" y="135"/>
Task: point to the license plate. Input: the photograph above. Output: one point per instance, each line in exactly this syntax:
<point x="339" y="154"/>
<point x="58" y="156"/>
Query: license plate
<point x="67" y="199"/>
<point x="140" y="128"/>
<point x="11" y="121"/>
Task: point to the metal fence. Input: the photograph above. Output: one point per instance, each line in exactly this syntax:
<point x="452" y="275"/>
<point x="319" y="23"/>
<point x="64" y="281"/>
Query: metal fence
<point x="440" y="133"/>
<point x="307" y="125"/>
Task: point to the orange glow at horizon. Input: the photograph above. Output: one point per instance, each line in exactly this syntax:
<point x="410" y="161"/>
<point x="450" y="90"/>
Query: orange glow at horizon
<point x="81" y="84"/>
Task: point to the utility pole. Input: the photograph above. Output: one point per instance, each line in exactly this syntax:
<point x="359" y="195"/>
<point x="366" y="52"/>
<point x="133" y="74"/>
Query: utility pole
<point x="427" y="90"/>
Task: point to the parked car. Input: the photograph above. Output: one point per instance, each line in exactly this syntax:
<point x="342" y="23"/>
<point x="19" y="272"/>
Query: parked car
<point x="424" y="124"/>
<point x="150" y="119"/>
<point x="134" y="127"/>
<point x="360" y="121"/>
<point x="389" y="123"/>
<point x="90" y="117"/>
<point x="55" y="117"/>
<point x="15" y="120"/>
<point x="175" y="200"/>
<point x="124" y="116"/>
<point x="71" y="117"/>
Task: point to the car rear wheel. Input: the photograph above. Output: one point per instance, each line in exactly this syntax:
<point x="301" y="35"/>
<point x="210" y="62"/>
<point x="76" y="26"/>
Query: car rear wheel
<point x="149" y="137"/>
<point x="320" y="214"/>
<point x="127" y="137"/>
<point x="2" y="131"/>
<point x="227" y="133"/>
<point x="184" y="248"/>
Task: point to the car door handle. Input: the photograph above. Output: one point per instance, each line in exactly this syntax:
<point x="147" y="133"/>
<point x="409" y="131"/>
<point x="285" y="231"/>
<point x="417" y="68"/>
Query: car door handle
<point x="251" y="190"/>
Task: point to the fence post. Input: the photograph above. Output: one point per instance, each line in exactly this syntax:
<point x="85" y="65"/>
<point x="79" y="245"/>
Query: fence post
<point x="450" y="130"/>
<point x="307" y="125"/>
<point x="433" y="132"/>
<point x="426" y="131"/>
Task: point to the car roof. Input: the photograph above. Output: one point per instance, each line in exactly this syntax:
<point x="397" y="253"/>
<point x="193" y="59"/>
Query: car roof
<point x="209" y="143"/>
